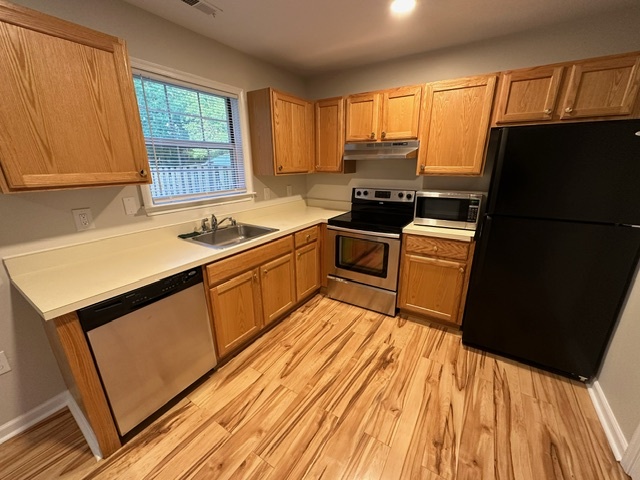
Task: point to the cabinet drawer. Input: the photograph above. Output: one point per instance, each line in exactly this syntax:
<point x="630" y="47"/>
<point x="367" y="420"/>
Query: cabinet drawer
<point x="223" y="269"/>
<point x="437" y="247"/>
<point x="305" y="236"/>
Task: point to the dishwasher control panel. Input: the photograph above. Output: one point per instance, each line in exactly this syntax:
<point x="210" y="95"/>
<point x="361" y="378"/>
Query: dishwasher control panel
<point x="103" y="312"/>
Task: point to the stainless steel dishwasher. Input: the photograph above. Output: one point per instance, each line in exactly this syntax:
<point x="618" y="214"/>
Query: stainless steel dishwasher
<point x="150" y="344"/>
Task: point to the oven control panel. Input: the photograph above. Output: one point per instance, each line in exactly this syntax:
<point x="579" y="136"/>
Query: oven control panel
<point x="377" y="195"/>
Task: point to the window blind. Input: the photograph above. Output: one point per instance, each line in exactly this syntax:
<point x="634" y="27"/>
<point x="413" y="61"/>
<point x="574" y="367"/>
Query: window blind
<point x="193" y="141"/>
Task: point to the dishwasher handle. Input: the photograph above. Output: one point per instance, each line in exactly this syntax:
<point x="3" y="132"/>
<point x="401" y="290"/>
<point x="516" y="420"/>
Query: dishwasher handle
<point x="104" y="312"/>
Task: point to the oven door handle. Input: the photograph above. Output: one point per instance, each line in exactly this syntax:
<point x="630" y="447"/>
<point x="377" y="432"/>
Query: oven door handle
<point x="364" y="232"/>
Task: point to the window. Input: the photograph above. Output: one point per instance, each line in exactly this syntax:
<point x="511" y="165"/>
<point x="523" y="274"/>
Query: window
<point x="193" y="140"/>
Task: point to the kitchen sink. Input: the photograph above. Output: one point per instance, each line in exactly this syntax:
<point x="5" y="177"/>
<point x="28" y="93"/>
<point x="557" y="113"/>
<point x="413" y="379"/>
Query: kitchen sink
<point x="233" y="235"/>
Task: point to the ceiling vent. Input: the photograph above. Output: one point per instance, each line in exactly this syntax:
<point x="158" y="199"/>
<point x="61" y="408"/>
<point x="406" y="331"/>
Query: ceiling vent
<point x="205" y="7"/>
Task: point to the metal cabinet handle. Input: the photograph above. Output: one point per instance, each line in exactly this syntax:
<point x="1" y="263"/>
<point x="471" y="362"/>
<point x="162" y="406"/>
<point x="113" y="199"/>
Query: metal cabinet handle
<point x="568" y="109"/>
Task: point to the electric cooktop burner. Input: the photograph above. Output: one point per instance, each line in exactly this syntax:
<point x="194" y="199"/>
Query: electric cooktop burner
<point x="377" y="210"/>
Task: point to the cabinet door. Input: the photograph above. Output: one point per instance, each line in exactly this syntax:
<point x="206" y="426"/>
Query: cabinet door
<point x="237" y="312"/>
<point x="329" y="127"/>
<point x="528" y="95"/>
<point x="307" y="270"/>
<point x="432" y="287"/>
<point x="400" y="113"/>
<point x="293" y="134"/>
<point x="456" y="126"/>
<point x="606" y="87"/>
<point x="363" y="112"/>
<point x="69" y="115"/>
<point x="278" y="287"/>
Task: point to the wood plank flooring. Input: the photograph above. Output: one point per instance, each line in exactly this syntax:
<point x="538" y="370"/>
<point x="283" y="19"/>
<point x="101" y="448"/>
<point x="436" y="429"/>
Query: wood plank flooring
<point x="338" y="392"/>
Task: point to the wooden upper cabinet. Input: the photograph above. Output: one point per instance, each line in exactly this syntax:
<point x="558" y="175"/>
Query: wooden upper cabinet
<point x="363" y="112"/>
<point x="69" y="116"/>
<point x="456" y="124"/>
<point x="329" y="135"/>
<point x="602" y="87"/>
<point x="281" y="132"/>
<point x="530" y="94"/>
<point x="400" y="113"/>
<point x="384" y="115"/>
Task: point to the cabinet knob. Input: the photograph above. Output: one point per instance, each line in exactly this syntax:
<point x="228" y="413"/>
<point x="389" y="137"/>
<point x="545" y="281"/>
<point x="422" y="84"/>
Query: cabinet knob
<point x="255" y="277"/>
<point x="308" y="237"/>
<point x="422" y="167"/>
<point x="279" y="168"/>
<point x="265" y="271"/>
<point x="299" y="254"/>
<point x="435" y="249"/>
<point x="373" y="136"/>
<point x="384" y="134"/>
<point x="568" y="109"/>
<point x="547" y="111"/>
<point x="461" y="269"/>
<point x="143" y="173"/>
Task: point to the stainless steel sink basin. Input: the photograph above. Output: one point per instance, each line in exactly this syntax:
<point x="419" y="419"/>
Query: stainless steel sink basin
<point x="233" y="235"/>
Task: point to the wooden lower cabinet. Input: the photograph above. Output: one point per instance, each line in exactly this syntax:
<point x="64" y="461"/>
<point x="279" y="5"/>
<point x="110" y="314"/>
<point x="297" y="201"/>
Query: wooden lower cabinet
<point x="277" y="284"/>
<point x="434" y="278"/>
<point x="251" y="290"/>
<point x="237" y="311"/>
<point x="307" y="270"/>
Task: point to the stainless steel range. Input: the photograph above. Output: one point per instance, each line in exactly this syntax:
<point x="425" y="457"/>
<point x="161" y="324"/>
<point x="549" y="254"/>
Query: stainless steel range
<point x="363" y="248"/>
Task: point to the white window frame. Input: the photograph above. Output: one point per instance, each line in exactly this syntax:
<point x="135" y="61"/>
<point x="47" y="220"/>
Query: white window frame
<point x="161" y="73"/>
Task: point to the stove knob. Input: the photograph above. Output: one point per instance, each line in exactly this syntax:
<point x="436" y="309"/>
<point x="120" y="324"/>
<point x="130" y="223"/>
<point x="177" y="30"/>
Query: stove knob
<point x="365" y="193"/>
<point x="409" y="196"/>
<point x="400" y="195"/>
<point x="358" y="193"/>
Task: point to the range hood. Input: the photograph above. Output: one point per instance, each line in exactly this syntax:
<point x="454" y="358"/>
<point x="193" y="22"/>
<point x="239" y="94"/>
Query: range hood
<point x="376" y="150"/>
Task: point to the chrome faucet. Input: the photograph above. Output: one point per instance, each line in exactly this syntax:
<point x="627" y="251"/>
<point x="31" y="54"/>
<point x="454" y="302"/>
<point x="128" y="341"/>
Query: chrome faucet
<point x="231" y="220"/>
<point x="205" y="225"/>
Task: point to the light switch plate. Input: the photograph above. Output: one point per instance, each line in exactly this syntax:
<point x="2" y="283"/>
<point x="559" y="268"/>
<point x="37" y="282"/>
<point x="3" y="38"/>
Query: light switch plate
<point x="130" y="205"/>
<point x="4" y="363"/>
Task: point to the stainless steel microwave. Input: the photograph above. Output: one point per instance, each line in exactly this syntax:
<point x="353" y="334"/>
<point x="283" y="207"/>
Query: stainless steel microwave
<point x="439" y="208"/>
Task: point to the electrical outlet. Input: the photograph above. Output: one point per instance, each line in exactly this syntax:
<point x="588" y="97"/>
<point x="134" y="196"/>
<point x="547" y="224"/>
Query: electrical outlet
<point x="4" y="364"/>
<point x="83" y="219"/>
<point x="267" y="193"/>
<point x="289" y="190"/>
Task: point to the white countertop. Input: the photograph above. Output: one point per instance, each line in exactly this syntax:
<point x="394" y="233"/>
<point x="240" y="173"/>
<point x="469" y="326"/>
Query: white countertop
<point x="441" y="232"/>
<point x="62" y="280"/>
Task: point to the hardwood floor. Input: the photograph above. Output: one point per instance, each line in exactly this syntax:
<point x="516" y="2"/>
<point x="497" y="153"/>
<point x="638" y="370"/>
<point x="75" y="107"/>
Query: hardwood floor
<point x="338" y="392"/>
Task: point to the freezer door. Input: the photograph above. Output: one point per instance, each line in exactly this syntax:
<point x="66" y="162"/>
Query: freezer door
<point x="581" y="171"/>
<point x="549" y="293"/>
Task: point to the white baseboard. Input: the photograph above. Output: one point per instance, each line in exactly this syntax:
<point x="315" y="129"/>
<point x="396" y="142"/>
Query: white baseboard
<point x="616" y="438"/>
<point x="33" y="416"/>
<point x="631" y="458"/>
<point x="48" y="408"/>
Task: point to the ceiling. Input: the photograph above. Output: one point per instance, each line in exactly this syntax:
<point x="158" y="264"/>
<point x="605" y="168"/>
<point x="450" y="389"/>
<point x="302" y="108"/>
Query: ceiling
<point x="313" y="36"/>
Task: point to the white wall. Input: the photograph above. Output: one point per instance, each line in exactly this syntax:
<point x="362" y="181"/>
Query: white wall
<point x="36" y="220"/>
<point x="590" y="37"/>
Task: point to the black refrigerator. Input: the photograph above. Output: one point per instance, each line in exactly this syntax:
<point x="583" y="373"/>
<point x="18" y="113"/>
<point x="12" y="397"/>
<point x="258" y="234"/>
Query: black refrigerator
<point x="558" y="245"/>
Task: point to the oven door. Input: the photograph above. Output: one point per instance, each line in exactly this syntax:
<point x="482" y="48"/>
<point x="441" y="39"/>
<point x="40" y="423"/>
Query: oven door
<point x="370" y="258"/>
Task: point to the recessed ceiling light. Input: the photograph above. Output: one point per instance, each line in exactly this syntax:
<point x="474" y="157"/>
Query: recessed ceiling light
<point x="402" y="6"/>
